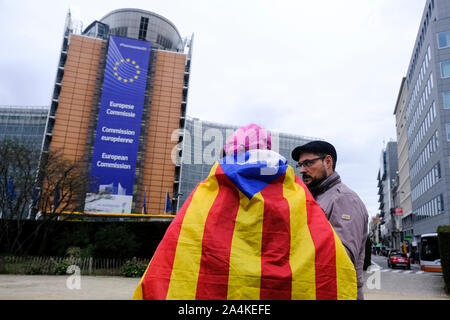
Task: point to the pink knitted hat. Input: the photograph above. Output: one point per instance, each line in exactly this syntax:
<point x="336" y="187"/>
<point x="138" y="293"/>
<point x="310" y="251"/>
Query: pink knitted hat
<point x="248" y="138"/>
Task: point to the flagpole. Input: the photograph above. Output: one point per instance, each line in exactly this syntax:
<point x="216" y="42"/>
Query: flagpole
<point x="165" y="202"/>
<point x="144" y="205"/>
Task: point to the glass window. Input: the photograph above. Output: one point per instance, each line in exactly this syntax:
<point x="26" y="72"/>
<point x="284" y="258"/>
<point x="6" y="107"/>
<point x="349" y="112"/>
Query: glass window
<point x="446" y="99"/>
<point x="444" y="39"/>
<point x="445" y="69"/>
<point x="447" y="127"/>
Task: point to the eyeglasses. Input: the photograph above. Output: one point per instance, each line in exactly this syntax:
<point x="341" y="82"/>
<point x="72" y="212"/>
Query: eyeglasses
<point x="308" y="163"/>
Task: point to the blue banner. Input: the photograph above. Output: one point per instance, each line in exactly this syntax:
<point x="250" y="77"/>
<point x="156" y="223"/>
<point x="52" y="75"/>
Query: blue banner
<point x="118" y="126"/>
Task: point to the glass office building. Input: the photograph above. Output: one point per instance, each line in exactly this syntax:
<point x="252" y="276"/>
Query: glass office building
<point x="25" y="124"/>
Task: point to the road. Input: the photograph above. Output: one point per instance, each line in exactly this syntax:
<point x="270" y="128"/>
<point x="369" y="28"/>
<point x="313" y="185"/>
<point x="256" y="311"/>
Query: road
<point x="382" y="282"/>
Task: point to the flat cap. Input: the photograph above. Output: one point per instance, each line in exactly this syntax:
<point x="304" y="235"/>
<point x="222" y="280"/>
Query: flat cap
<point x="315" y="147"/>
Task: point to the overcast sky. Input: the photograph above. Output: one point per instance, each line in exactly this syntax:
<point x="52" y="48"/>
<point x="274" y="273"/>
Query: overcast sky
<point x="328" y="69"/>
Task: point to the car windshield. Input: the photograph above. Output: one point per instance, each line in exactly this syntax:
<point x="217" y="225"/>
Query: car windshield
<point x="399" y="255"/>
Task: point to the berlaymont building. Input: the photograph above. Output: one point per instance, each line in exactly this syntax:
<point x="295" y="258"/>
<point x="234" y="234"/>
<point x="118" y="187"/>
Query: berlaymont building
<point x="120" y="92"/>
<point x="119" y="108"/>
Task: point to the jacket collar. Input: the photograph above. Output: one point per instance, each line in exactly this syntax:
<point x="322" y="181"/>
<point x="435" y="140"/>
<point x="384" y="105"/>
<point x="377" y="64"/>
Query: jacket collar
<point x="332" y="180"/>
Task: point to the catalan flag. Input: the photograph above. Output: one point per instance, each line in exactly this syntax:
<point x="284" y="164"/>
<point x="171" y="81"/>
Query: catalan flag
<point x="251" y="230"/>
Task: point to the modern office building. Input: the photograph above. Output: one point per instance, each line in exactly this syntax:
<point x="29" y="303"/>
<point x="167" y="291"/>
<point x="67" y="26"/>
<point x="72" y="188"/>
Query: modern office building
<point x="387" y="182"/>
<point x="201" y="145"/>
<point x="25" y="124"/>
<point x="120" y="93"/>
<point x="428" y="119"/>
<point x="403" y="187"/>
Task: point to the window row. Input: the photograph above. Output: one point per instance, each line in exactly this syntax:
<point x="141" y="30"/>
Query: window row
<point x="418" y="84"/>
<point x="426" y="124"/>
<point x="420" y="106"/>
<point x="429" y="149"/>
<point x="431" y="208"/>
<point x="427" y="182"/>
<point x="420" y="39"/>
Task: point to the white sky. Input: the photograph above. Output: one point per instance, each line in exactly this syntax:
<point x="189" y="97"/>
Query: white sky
<point x="328" y="69"/>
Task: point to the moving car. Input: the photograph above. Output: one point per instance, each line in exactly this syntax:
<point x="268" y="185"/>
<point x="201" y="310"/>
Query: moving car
<point x="398" y="259"/>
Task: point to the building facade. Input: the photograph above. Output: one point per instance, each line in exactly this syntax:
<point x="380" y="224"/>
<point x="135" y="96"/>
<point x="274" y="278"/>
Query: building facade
<point x="25" y="124"/>
<point x="120" y="92"/>
<point x="387" y="184"/>
<point x="428" y="119"/>
<point x="403" y="190"/>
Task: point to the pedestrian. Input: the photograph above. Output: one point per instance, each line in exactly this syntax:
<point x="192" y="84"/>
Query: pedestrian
<point x="251" y="230"/>
<point x="342" y="206"/>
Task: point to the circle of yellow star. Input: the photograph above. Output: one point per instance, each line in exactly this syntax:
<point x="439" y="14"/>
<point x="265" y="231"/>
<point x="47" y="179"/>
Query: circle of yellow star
<point x="121" y="78"/>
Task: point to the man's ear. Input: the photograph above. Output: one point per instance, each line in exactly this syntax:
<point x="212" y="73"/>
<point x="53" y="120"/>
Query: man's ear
<point x="329" y="162"/>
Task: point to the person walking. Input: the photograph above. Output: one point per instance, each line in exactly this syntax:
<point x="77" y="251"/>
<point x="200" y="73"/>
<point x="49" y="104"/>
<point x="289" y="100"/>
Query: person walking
<point x="342" y="206"/>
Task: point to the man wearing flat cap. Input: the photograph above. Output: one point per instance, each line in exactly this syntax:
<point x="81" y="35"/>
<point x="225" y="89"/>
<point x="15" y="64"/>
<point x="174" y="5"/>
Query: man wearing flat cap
<point x="342" y="206"/>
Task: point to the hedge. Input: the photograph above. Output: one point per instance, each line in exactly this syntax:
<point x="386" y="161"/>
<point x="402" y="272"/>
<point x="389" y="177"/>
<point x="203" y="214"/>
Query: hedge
<point x="99" y="239"/>
<point x="444" y="251"/>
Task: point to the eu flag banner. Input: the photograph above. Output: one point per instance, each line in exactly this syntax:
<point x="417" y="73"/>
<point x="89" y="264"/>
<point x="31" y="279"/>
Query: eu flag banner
<point x="251" y="230"/>
<point x="114" y="155"/>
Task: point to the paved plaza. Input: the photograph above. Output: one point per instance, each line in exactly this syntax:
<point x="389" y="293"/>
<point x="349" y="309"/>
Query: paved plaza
<point x="66" y="287"/>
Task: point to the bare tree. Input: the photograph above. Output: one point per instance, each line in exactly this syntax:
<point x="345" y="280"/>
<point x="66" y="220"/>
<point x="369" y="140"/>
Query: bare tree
<point x="54" y="191"/>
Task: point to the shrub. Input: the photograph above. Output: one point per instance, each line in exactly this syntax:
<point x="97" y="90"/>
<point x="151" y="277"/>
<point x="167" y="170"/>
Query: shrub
<point x="61" y="268"/>
<point x="444" y="252"/>
<point x="133" y="269"/>
<point x="35" y="268"/>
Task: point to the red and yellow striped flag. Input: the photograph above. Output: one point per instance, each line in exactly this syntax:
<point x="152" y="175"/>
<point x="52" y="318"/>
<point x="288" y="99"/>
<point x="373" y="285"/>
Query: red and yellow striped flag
<point x="272" y="242"/>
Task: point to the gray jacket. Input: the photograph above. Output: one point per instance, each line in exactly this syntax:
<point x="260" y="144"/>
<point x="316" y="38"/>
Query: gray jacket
<point x="348" y="216"/>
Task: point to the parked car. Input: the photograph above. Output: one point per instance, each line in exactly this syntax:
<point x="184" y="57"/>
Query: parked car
<point x="398" y="259"/>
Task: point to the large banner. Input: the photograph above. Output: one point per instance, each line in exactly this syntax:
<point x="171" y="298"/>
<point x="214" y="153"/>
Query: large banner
<point x="118" y="126"/>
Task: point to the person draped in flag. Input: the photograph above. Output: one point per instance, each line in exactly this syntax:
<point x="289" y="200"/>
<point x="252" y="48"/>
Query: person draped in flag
<point x="251" y="230"/>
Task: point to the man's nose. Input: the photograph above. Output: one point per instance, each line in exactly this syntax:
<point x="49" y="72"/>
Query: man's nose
<point x="302" y="169"/>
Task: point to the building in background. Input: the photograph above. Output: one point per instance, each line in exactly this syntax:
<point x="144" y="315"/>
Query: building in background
<point x="403" y="187"/>
<point x="387" y="183"/>
<point x="120" y="92"/>
<point x="201" y="145"/>
<point x="25" y="124"/>
<point x="428" y="120"/>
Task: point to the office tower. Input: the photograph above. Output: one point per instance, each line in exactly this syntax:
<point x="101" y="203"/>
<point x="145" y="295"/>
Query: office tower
<point x="428" y="119"/>
<point x="387" y="182"/>
<point x="120" y="92"/>
<point x="403" y="185"/>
